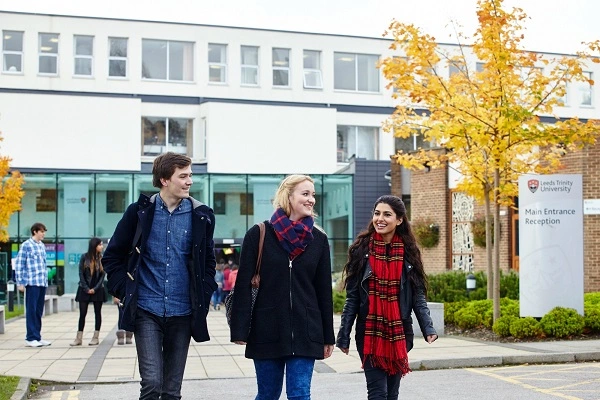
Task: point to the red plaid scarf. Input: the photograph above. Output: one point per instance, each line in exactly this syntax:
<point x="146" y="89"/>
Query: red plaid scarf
<point x="385" y="342"/>
<point x="294" y="236"/>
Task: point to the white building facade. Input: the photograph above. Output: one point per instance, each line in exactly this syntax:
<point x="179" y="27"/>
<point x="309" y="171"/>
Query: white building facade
<point x="87" y="103"/>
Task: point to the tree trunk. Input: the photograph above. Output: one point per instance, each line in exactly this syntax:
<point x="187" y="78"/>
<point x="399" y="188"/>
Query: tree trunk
<point x="496" y="247"/>
<point x="488" y="245"/>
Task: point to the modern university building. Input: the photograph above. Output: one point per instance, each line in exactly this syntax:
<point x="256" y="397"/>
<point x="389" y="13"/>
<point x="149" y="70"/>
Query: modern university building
<point x="87" y="103"/>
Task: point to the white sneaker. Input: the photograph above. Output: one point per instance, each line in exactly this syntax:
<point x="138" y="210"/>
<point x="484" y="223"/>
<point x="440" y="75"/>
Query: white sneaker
<point x="33" y="343"/>
<point x="44" y="342"/>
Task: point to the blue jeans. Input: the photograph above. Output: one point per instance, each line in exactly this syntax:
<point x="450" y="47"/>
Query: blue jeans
<point x="162" y="345"/>
<point x="34" y="309"/>
<point x="216" y="298"/>
<point x="298" y="375"/>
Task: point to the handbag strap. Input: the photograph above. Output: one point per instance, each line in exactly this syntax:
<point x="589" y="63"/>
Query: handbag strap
<point x="256" y="277"/>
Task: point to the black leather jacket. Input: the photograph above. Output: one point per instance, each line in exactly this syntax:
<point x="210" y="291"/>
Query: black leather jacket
<point x="412" y="298"/>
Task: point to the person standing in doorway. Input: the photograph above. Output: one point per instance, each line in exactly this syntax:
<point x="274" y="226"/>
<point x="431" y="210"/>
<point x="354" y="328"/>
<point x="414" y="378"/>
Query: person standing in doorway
<point x="161" y="264"/>
<point x="32" y="278"/>
<point x="91" y="289"/>
<point x="291" y="324"/>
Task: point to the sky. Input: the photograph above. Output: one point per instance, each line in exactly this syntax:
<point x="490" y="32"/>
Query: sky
<point x="556" y="26"/>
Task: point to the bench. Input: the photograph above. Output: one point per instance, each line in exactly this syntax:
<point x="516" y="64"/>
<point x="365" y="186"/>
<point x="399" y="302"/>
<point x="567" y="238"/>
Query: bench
<point x="437" y="316"/>
<point x="2" y="319"/>
<point x="67" y="302"/>
<point x="50" y="304"/>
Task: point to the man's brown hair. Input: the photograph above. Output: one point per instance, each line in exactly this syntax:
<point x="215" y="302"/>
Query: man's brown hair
<point x="165" y="165"/>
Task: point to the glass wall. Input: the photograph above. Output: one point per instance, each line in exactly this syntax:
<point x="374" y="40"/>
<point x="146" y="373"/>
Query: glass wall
<point x="75" y="207"/>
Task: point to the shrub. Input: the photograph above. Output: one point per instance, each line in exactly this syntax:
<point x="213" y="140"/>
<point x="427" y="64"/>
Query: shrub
<point x="525" y="327"/>
<point x="339" y="298"/>
<point x="450" y="309"/>
<point x="509" y="285"/>
<point x="502" y="325"/>
<point x="562" y="322"/>
<point x="426" y="231"/>
<point x="467" y="318"/>
<point x="509" y="307"/>
<point x="592" y="298"/>
<point x="591" y="317"/>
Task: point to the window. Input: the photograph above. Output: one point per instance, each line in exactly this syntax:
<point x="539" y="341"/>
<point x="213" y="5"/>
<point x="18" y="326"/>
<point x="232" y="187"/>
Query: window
<point x="217" y="63"/>
<point x="12" y="51"/>
<point x="356" y="72"/>
<point x="246" y="203"/>
<point x="116" y="201"/>
<point x="166" y="134"/>
<point x="412" y="143"/>
<point x="250" y="65"/>
<point x="312" y="70"/>
<point x="219" y="203"/>
<point x="586" y="90"/>
<point x="84" y="54"/>
<point x="117" y="57"/>
<point x="357" y="141"/>
<point x="45" y="200"/>
<point x="48" y="53"/>
<point x="479" y="66"/>
<point x="281" y="67"/>
<point x="167" y="60"/>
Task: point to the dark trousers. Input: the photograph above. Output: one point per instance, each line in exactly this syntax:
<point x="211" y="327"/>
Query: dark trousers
<point x="380" y="385"/>
<point x="34" y="309"/>
<point x="162" y="345"/>
<point x="83" y="308"/>
<point x="298" y="376"/>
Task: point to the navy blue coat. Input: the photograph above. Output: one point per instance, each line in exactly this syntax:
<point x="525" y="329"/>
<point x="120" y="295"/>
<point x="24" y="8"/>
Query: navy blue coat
<point x="122" y="264"/>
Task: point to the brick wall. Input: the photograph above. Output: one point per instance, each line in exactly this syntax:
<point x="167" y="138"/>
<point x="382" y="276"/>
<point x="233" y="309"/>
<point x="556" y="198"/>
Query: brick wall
<point x="587" y="163"/>
<point x="429" y="198"/>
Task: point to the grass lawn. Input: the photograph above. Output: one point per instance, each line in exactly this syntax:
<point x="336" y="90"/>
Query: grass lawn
<point x="18" y="310"/>
<point x="8" y="385"/>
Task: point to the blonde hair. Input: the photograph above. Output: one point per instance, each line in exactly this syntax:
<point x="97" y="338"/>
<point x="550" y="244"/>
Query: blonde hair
<point x="285" y="189"/>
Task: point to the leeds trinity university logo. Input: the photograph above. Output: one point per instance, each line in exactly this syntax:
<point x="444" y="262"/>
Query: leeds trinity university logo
<point x="533" y="185"/>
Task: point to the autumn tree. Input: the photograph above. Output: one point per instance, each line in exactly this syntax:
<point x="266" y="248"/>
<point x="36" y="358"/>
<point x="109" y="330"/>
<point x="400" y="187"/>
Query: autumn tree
<point x="482" y="105"/>
<point x="10" y="194"/>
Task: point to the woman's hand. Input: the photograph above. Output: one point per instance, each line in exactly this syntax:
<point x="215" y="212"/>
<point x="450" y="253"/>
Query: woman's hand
<point x="431" y="338"/>
<point x="327" y="350"/>
<point x="240" y="342"/>
<point x="91" y="291"/>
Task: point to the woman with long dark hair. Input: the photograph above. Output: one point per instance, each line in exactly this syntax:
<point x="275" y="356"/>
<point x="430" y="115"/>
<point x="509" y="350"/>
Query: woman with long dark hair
<point x="91" y="289"/>
<point x="385" y="282"/>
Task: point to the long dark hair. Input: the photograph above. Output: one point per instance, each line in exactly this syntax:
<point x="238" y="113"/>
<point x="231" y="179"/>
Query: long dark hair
<point x="360" y="247"/>
<point x="92" y="256"/>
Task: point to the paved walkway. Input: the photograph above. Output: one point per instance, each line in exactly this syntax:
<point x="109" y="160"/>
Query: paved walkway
<point x="219" y="358"/>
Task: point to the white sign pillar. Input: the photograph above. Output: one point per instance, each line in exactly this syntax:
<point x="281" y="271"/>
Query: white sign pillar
<point x="550" y="243"/>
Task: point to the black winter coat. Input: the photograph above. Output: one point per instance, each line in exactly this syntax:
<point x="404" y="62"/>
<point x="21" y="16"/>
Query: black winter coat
<point x="293" y="314"/>
<point x="121" y="263"/>
<point x="87" y="282"/>
<point x="412" y="298"/>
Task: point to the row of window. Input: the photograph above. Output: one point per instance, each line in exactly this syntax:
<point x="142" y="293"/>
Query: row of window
<point x="161" y="134"/>
<point x="174" y="61"/>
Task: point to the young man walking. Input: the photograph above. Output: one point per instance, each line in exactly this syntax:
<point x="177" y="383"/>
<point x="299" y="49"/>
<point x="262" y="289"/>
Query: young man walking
<point x="32" y="277"/>
<point x="160" y="263"/>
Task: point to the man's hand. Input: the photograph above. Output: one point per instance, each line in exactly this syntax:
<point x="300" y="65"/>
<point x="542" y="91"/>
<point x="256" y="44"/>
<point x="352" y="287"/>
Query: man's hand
<point x="21" y="288"/>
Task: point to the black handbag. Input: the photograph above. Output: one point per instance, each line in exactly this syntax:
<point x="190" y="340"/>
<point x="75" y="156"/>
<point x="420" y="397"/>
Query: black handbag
<point x="255" y="279"/>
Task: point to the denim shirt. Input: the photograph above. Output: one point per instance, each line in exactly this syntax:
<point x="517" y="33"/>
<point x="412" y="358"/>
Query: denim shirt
<point x="164" y="284"/>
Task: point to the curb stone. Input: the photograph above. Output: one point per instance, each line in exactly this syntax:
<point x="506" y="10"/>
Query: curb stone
<point x="22" y="389"/>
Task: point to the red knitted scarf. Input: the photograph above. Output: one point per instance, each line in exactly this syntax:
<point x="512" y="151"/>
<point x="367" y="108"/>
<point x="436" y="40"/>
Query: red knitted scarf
<point x="385" y="342"/>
